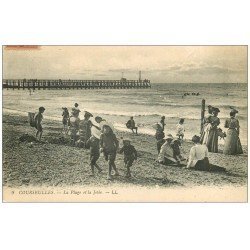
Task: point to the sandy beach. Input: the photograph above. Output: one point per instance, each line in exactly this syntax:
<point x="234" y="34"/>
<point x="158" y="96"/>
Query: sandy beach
<point x="54" y="163"/>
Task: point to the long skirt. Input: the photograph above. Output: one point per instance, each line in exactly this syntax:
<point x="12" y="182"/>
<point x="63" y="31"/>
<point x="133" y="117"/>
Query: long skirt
<point x="204" y="165"/>
<point x="232" y="143"/>
<point x="212" y="141"/>
<point x="205" y="133"/>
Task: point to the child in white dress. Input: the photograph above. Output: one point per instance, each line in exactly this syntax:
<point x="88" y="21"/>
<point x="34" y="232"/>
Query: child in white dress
<point x="180" y="129"/>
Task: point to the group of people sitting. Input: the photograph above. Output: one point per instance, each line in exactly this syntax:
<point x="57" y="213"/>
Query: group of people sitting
<point x="169" y="148"/>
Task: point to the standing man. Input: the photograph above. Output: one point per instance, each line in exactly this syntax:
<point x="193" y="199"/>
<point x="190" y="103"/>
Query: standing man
<point x="38" y="123"/>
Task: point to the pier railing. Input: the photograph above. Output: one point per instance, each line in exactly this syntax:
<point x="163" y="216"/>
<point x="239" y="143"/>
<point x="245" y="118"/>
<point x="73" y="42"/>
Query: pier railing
<point x="74" y="84"/>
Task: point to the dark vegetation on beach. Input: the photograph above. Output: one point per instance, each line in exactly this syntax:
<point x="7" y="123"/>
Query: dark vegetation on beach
<point x="54" y="162"/>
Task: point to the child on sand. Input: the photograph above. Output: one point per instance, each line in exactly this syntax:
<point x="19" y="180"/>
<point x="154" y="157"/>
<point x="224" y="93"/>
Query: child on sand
<point x="180" y="129"/>
<point x="93" y="143"/>
<point x="109" y="145"/>
<point x="130" y="154"/>
<point x="38" y="123"/>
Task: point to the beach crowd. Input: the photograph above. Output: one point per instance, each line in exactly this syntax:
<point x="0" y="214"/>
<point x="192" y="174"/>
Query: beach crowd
<point x="99" y="138"/>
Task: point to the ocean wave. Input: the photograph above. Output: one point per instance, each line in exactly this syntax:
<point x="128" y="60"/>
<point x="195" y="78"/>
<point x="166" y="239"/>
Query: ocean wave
<point x="176" y="105"/>
<point x="157" y="114"/>
<point x="150" y="115"/>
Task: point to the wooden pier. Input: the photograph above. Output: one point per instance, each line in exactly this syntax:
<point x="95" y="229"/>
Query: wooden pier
<point x="75" y="84"/>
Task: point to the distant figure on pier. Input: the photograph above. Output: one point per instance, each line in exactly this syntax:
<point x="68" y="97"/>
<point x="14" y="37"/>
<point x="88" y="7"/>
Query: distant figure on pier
<point x="85" y="129"/>
<point x="38" y="123"/>
<point x="65" y="120"/>
<point x="131" y="125"/>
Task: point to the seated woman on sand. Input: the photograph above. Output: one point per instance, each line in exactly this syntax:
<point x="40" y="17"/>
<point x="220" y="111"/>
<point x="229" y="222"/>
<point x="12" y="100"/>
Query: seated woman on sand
<point x="198" y="157"/>
<point x="170" y="152"/>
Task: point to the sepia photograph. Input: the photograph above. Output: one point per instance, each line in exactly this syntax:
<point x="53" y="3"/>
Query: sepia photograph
<point x="125" y="123"/>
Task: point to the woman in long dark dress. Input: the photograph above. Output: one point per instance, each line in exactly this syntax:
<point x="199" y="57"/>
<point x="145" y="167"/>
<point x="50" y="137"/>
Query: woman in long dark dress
<point x="232" y="143"/>
<point x="212" y="139"/>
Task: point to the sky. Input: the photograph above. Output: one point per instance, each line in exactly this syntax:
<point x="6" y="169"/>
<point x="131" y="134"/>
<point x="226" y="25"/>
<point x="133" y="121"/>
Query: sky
<point x="160" y="64"/>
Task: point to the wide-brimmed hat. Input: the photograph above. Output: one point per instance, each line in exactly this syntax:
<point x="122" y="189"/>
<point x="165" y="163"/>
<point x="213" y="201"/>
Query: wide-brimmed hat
<point x="169" y="136"/>
<point x="95" y="132"/>
<point x="99" y="118"/>
<point x="88" y="114"/>
<point x="209" y="107"/>
<point x="41" y="109"/>
<point x="217" y="110"/>
<point x="233" y="110"/>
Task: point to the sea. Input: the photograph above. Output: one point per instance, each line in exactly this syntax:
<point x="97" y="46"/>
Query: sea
<point x="145" y="105"/>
